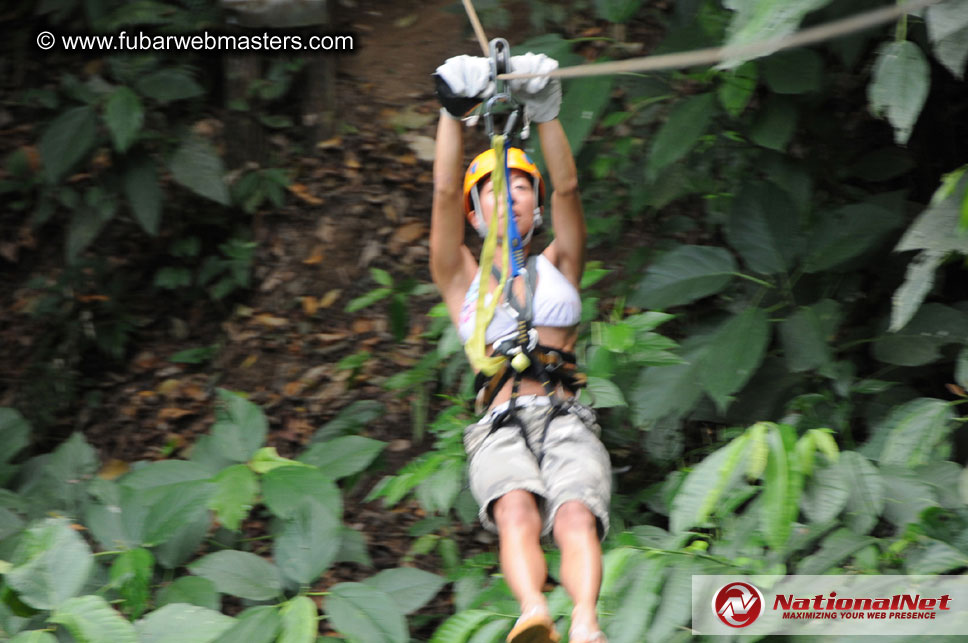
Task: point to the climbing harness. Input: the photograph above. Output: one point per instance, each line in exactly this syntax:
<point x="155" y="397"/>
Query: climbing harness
<point x="518" y="354"/>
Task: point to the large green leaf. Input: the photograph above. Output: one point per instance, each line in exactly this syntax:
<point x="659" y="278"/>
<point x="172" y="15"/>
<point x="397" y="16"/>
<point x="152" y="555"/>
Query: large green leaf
<point x="684" y="275"/>
<point x="34" y="636"/>
<point x="736" y="88"/>
<point x="285" y="489"/>
<point x="90" y="619"/>
<point x="782" y="485"/>
<point x="14" y="433"/>
<point x="50" y="565"/>
<point x="584" y="101"/>
<point x="180" y="623"/>
<point x="259" y="624"/>
<point x="169" y="84"/>
<point x="409" y="587"/>
<point x="961" y="368"/>
<point x="804" y="336"/>
<point x="307" y="543"/>
<point x="235" y="495"/>
<point x="848" y="232"/>
<point x="696" y="499"/>
<point x="124" y="115"/>
<point x="163" y="473"/>
<point x="946" y="19"/>
<point x="906" y="494"/>
<point x="241" y="427"/>
<point x="87" y="221"/>
<point x="775" y="123"/>
<point x="183" y="545"/>
<point x="825" y="494"/>
<point x="952" y="51"/>
<point x="936" y="557"/>
<point x="193" y="590"/>
<point x="733" y="355"/>
<point x="438" y="493"/>
<point x="920" y="341"/>
<point x="764" y="20"/>
<point x="131" y="574"/>
<point x="796" y="71"/>
<point x="343" y="456"/>
<point x="664" y="391"/>
<point x="351" y="419"/>
<point x="196" y="166"/>
<point x="917" y="284"/>
<point x="602" y="393"/>
<point x="240" y="574"/>
<point x="937" y="225"/>
<point x="67" y="140"/>
<point x="364" y="614"/>
<point x="174" y="507"/>
<point x="866" y="500"/>
<point x="298" y="621"/>
<point x="143" y="191"/>
<point x="459" y="627"/>
<point x="835" y="548"/>
<point x="687" y="122"/>
<point x="911" y="432"/>
<point x="899" y="86"/>
<point x="763" y="228"/>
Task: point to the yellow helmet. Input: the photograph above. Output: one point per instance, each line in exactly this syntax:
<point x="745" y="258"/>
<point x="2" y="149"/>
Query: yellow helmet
<point x="483" y="164"/>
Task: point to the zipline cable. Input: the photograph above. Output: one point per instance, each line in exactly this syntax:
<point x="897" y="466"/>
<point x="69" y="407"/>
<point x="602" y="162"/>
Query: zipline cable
<point x="476" y="24"/>
<point x="712" y="55"/>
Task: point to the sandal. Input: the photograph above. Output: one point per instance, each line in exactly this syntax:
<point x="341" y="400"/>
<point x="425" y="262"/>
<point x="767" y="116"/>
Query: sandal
<point x="534" y="626"/>
<point x="581" y="634"/>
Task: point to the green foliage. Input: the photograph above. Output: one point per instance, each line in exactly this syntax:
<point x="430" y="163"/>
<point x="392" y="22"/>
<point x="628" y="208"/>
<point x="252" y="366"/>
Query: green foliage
<point x="153" y="520"/>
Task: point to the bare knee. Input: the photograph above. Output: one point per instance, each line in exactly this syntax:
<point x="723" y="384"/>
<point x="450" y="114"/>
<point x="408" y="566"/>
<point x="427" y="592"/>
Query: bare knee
<point x="573" y="518"/>
<point x="517" y="509"/>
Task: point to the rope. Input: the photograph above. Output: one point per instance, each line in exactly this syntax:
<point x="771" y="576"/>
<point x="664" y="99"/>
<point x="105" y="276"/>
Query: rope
<point x="478" y="29"/>
<point x="712" y="55"/>
<point x="476" y="346"/>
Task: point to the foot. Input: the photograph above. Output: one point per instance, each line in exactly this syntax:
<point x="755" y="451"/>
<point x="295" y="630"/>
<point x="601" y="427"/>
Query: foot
<point x="584" y="626"/>
<point x="534" y="626"/>
<point x="582" y="634"/>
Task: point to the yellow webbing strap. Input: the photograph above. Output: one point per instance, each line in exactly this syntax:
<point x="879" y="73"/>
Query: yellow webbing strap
<point x="476" y="346"/>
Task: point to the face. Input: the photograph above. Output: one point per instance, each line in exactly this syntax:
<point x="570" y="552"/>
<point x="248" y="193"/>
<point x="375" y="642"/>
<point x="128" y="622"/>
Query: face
<point x="522" y="199"/>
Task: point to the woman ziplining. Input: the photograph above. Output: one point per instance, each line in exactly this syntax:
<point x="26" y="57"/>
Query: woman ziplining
<point x="535" y="461"/>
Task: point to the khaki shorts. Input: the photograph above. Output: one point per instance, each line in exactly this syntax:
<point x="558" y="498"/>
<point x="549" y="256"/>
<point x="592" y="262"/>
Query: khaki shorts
<point x="574" y="463"/>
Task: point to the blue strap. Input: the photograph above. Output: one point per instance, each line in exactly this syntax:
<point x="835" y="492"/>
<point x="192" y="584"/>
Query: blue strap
<point x="513" y="236"/>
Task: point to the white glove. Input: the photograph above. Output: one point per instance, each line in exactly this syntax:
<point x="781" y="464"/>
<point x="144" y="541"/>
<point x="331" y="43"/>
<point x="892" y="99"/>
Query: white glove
<point x="541" y="96"/>
<point x="467" y="77"/>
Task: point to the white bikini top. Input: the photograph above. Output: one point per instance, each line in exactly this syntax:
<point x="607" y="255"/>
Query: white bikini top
<point x="556" y="303"/>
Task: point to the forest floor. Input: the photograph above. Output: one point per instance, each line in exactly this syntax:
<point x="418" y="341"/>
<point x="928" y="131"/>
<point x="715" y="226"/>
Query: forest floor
<point x="360" y="200"/>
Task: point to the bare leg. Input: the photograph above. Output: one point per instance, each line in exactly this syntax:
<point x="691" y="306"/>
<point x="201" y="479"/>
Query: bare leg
<point x="581" y="564"/>
<point x="522" y="559"/>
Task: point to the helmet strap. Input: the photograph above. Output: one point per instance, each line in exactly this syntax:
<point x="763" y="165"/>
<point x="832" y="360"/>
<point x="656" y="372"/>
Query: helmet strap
<point x="479" y="224"/>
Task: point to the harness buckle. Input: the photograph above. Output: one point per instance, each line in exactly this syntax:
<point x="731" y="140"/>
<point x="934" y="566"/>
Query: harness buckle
<point x="509" y="345"/>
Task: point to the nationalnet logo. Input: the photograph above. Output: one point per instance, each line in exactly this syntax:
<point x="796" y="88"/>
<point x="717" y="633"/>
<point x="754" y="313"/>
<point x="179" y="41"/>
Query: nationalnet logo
<point x="830" y="605"/>
<point x="738" y="604"/>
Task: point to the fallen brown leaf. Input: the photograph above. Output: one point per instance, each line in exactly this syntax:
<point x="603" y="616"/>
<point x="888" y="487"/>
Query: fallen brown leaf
<point x="173" y="413"/>
<point x="302" y="192"/>
<point x="113" y="469"/>
<point x="316" y="256"/>
<point x="309" y="305"/>
<point x="271" y="321"/>
<point x="330" y="298"/>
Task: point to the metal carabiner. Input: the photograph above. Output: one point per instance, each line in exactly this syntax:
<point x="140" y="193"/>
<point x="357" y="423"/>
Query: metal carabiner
<point x="500" y="59"/>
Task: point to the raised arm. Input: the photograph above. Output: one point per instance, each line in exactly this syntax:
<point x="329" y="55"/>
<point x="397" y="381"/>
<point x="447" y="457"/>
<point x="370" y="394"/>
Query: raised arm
<point x="567" y="251"/>
<point x="542" y="100"/>
<point x="446" y="221"/>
